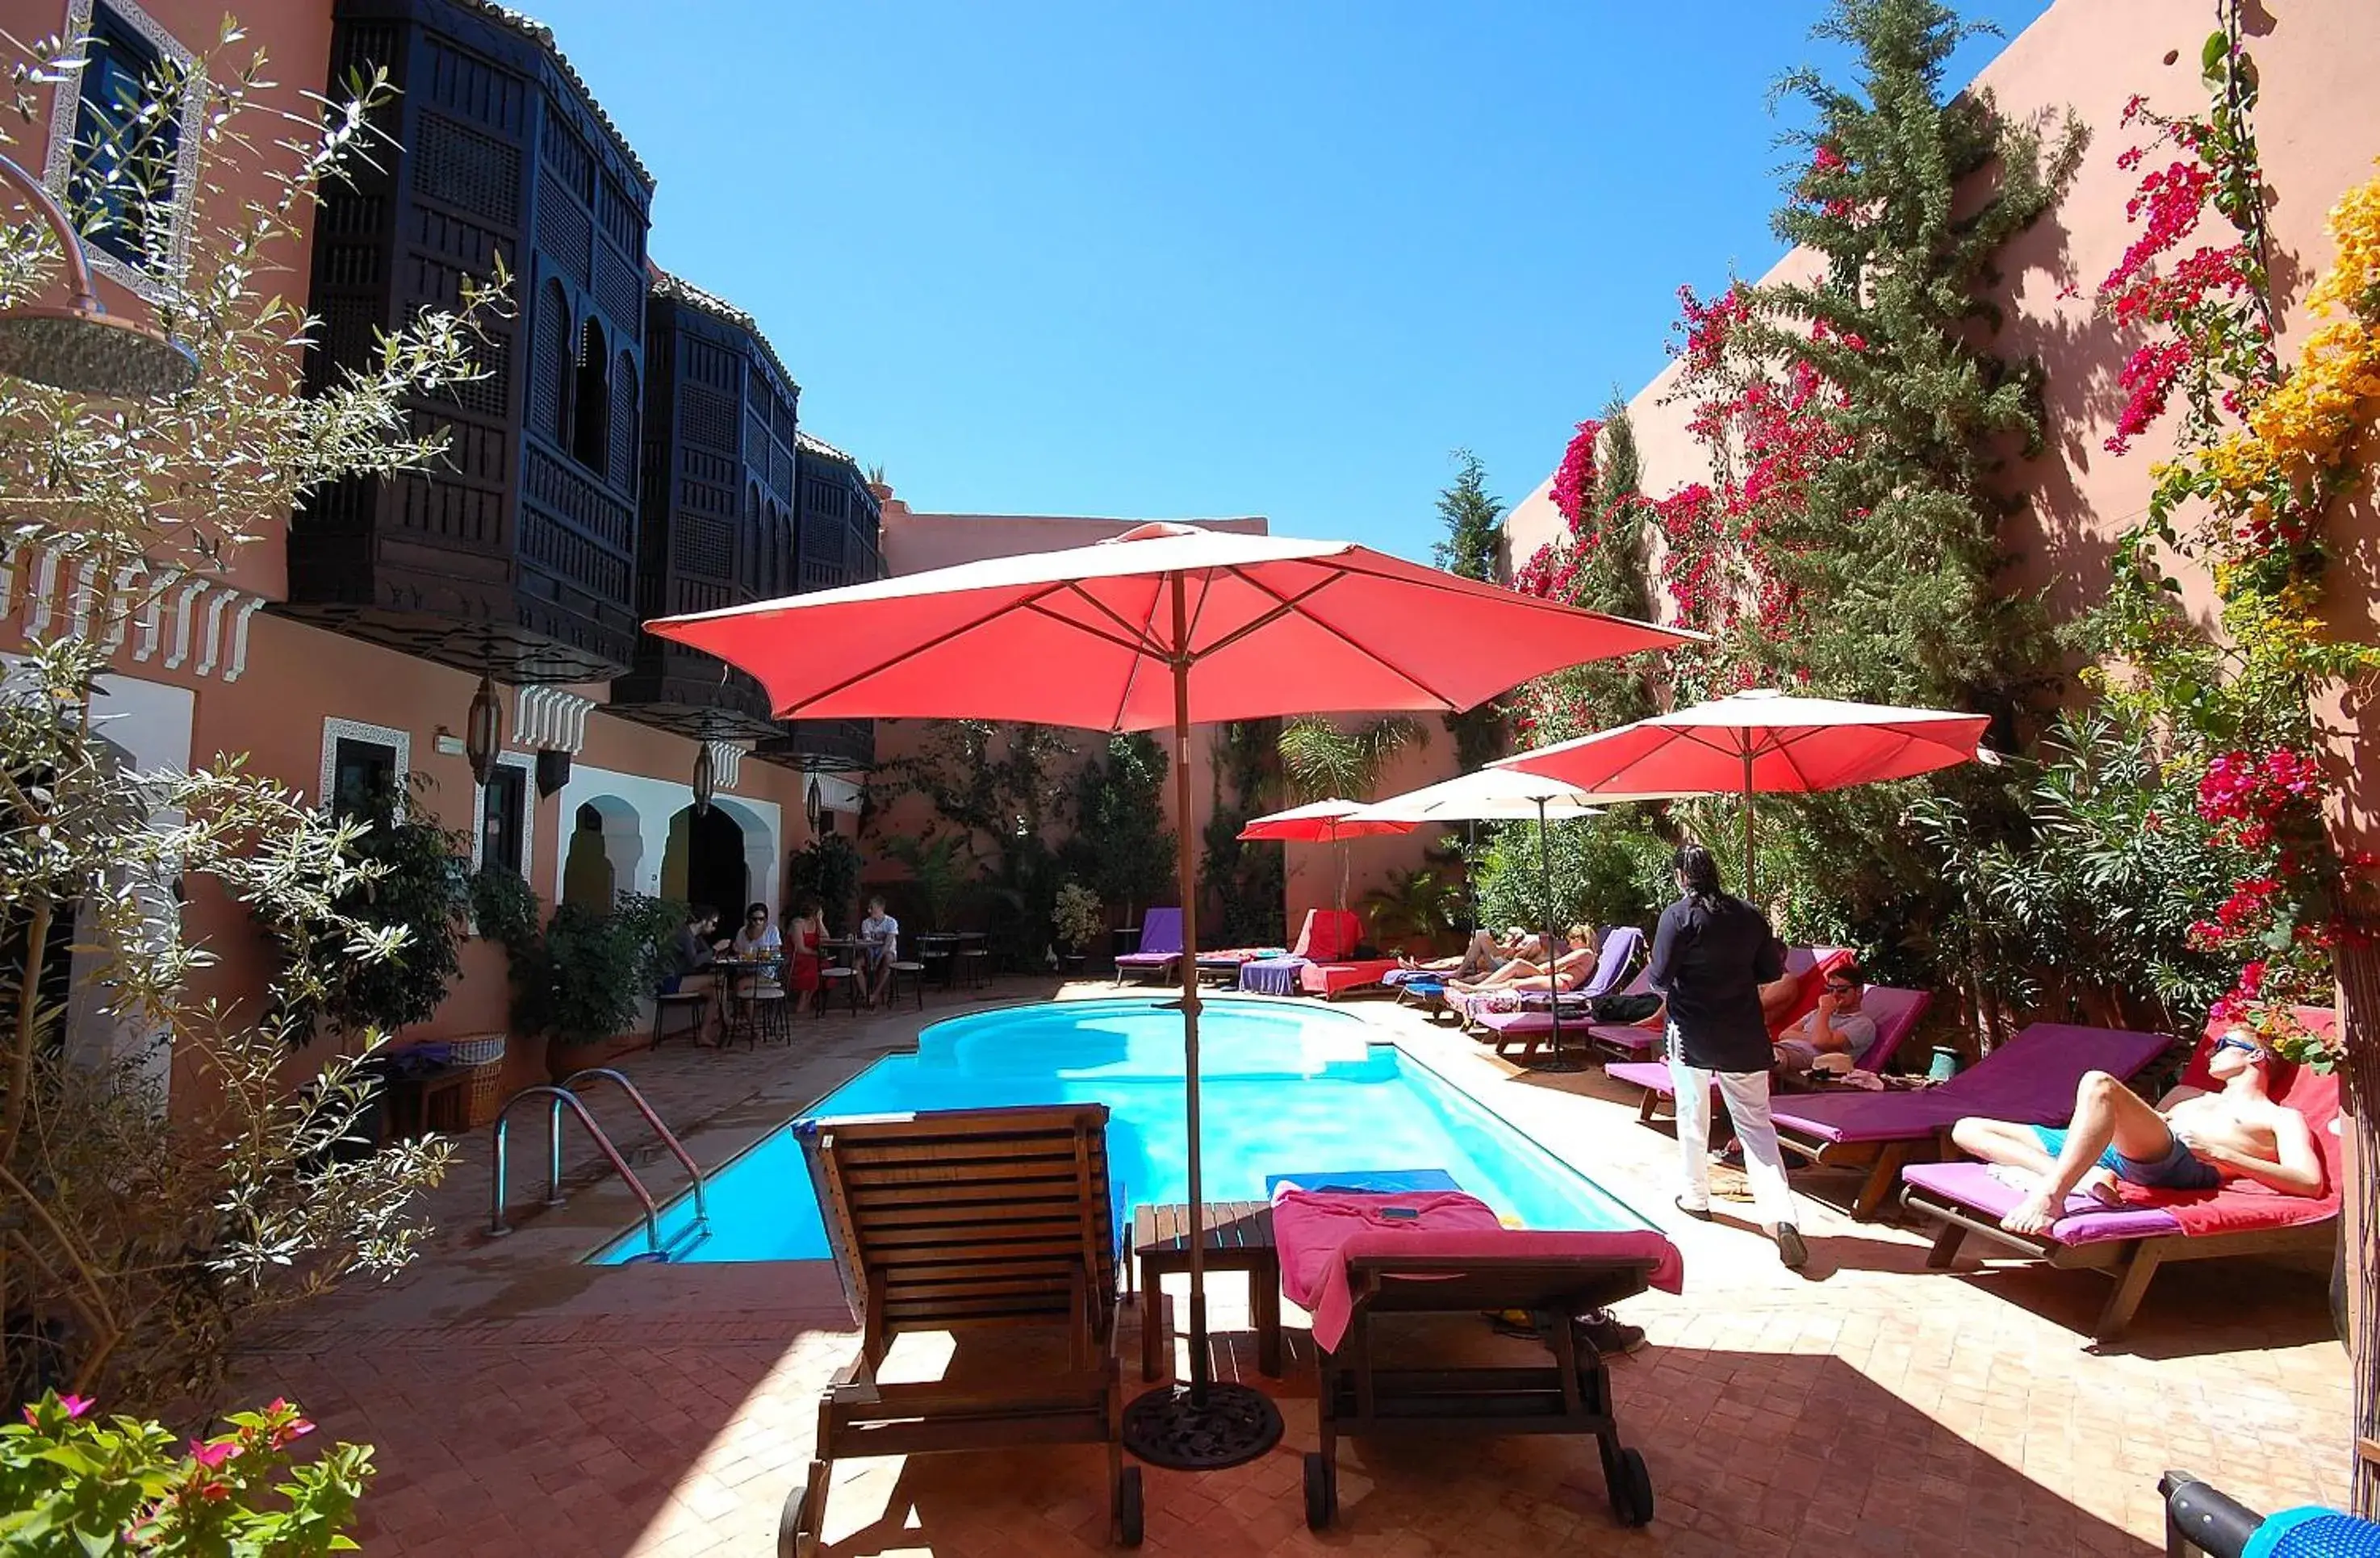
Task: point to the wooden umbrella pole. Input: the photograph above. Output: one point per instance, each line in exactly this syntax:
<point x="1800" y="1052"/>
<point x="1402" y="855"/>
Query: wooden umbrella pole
<point x="1187" y="864"/>
<point x="1553" y="962"/>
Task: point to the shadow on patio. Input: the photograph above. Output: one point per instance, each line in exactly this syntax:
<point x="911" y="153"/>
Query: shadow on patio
<point x="1750" y="1451"/>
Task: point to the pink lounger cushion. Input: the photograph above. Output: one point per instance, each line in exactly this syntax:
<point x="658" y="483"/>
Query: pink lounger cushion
<point x="1533" y="1020"/>
<point x="1976" y="1187"/>
<point x="1895" y="1012"/>
<point x="1318" y="1232"/>
<point x="1330" y="979"/>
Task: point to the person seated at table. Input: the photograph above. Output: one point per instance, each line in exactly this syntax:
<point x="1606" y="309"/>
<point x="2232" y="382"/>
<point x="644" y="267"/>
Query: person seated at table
<point x="757" y="937"/>
<point x="879" y="937"/>
<point x="758" y="942"/>
<point x="691" y="958"/>
<point x="804" y="958"/>
<point x="2192" y="1139"/>
<point x="1835" y="1026"/>
<point x="1569" y="971"/>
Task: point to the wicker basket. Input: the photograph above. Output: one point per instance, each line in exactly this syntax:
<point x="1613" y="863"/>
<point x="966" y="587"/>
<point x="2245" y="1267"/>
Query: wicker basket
<point x="487" y="1093"/>
<point x="477" y="1049"/>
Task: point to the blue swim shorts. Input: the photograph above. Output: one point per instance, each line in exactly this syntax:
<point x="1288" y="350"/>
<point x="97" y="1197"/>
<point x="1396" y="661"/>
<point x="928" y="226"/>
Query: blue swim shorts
<point x="2174" y="1170"/>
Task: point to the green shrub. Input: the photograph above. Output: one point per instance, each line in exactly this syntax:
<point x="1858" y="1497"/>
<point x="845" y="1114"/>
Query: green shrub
<point x="415" y="888"/>
<point x="70" y="1483"/>
<point x="1606" y="871"/>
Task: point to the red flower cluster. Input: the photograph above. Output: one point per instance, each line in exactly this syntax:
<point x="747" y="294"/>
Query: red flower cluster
<point x="2241" y="787"/>
<point x="1708" y="326"/>
<point x="1574" y="477"/>
<point x="2150" y="375"/>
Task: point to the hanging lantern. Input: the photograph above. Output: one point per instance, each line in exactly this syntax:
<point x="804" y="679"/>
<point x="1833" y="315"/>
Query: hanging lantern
<point x="484" y="732"/>
<point x="814" y="804"/>
<point x="706" y="777"/>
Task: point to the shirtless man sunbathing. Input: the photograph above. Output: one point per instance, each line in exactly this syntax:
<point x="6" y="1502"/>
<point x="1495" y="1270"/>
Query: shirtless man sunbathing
<point x="1482" y="956"/>
<point x="2192" y="1140"/>
<point x="1570" y="970"/>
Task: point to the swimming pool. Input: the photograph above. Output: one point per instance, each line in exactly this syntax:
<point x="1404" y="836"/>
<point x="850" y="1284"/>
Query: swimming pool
<point x="1286" y="1090"/>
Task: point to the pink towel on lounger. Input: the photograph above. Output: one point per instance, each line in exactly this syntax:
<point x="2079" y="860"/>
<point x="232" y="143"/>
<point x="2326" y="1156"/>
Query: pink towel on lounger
<point x="1316" y="1233"/>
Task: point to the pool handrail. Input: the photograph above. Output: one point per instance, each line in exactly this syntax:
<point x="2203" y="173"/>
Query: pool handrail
<point x="669" y="1138"/>
<point x="554" y="1197"/>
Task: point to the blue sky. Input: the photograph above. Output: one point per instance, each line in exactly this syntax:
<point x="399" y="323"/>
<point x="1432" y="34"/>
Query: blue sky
<point x="1172" y="260"/>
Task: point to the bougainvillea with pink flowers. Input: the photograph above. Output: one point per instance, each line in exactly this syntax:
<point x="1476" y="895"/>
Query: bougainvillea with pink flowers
<point x="74" y="1482"/>
<point x="2263" y="450"/>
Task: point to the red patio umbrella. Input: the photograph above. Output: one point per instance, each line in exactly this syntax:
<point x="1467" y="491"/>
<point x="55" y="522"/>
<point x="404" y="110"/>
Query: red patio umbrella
<point x="1760" y="741"/>
<point x="1321" y="822"/>
<point x="1162" y="626"/>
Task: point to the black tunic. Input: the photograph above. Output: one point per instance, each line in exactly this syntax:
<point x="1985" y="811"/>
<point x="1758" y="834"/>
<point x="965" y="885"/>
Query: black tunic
<point x="1711" y="963"/>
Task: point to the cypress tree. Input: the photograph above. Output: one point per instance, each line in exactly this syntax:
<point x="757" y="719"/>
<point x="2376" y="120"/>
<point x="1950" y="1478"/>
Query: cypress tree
<point x="1897" y="528"/>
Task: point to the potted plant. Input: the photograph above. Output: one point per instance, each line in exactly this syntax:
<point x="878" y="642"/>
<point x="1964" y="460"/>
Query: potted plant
<point x="413" y="888"/>
<point x="580" y="983"/>
<point x="827" y="869"/>
<point x="1080" y="919"/>
<point x="939" y="869"/>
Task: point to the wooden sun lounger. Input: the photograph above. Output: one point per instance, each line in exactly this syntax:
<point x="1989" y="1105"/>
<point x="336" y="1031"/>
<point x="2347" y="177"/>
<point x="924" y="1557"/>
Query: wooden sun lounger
<point x="1571" y="1396"/>
<point x="971" y="1220"/>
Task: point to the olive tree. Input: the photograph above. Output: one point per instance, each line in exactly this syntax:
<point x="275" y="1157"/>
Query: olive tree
<point x="135" y="1241"/>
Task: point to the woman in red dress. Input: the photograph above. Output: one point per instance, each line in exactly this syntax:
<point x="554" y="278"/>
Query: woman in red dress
<point x="802" y="962"/>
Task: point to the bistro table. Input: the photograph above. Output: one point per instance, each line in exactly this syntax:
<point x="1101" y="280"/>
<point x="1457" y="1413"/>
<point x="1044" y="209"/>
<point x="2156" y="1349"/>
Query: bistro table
<point x="941" y="948"/>
<point x="838" y="965"/>
<point x="739" y="981"/>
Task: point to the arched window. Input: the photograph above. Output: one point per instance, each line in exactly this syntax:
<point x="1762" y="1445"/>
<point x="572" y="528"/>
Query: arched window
<point x="549" y="394"/>
<point x="591" y="401"/>
<point x="625" y="405"/>
<point x="781" y="547"/>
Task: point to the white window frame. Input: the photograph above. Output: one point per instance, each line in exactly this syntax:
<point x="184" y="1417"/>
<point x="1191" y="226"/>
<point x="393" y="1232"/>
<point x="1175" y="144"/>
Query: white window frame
<point x="526" y="764"/>
<point x="59" y="170"/>
<point x="335" y="731"/>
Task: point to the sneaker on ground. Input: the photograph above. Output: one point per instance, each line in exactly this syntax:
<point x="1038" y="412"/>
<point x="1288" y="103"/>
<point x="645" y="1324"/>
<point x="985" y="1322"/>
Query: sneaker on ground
<point x="1610" y="1335"/>
<point x="1789" y="1248"/>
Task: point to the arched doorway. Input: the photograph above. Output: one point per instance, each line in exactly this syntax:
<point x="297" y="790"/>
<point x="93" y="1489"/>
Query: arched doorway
<point x="706" y="855"/>
<point x="586" y="877"/>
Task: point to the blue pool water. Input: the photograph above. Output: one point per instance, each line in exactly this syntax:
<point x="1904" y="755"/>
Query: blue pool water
<point x="1286" y="1090"/>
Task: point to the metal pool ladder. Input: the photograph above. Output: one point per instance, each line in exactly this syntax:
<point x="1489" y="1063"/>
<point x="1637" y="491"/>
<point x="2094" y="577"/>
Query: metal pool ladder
<point x="566" y="1095"/>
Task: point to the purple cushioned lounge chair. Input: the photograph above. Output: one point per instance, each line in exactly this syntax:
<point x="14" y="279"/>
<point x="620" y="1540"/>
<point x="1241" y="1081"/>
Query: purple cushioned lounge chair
<point x="1530" y="1026"/>
<point x="2030" y="1081"/>
<point x="1633" y="1041"/>
<point x="1896" y="1014"/>
<point x="1161" y="946"/>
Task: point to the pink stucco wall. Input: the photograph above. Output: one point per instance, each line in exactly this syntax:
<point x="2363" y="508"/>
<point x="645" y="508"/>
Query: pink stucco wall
<point x="2319" y="127"/>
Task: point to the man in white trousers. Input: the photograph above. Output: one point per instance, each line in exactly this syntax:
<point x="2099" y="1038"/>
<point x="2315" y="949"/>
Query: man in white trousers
<point x="1711" y="953"/>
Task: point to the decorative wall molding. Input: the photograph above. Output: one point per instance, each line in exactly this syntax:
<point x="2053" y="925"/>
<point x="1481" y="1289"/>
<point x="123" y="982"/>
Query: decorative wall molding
<point x="550" y="718"/>
<point x="727" y="762"/>
<point x="336" y="730"/>
<point x="66" y="101"/>
<point x="197" y="622"/>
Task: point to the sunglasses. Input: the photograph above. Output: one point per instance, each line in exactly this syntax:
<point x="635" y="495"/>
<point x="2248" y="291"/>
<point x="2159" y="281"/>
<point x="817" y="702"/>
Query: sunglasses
<point x="2246" y="1046"/>
<point x="1835" y="990"/>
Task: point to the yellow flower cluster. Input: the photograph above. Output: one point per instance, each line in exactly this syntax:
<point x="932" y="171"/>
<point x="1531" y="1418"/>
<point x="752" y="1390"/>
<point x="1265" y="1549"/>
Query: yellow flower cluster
<point x="2300" y="439"/>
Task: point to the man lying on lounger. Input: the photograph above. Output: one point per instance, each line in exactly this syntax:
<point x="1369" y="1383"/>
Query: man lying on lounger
<point x="2193" y="1140"/>
<point x="1569" y="970"/>
<point x="1482" y="956"/>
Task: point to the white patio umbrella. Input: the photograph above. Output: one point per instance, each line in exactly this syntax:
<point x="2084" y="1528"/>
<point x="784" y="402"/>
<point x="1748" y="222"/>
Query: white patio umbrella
<point x="1496" y="795"/>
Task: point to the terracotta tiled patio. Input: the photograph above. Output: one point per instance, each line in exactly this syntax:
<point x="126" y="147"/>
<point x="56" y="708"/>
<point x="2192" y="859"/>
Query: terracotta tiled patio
<point x="523" y="1403"/>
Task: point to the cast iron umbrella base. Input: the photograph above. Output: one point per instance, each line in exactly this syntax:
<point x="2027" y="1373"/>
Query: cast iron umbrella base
<point x="1173" y="1427"/>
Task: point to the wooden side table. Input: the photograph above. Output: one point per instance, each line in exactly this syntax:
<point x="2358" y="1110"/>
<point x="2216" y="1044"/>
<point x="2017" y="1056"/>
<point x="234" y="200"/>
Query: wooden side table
<point x="433" y="1100"/>
<point x="1239" y="1238"/>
